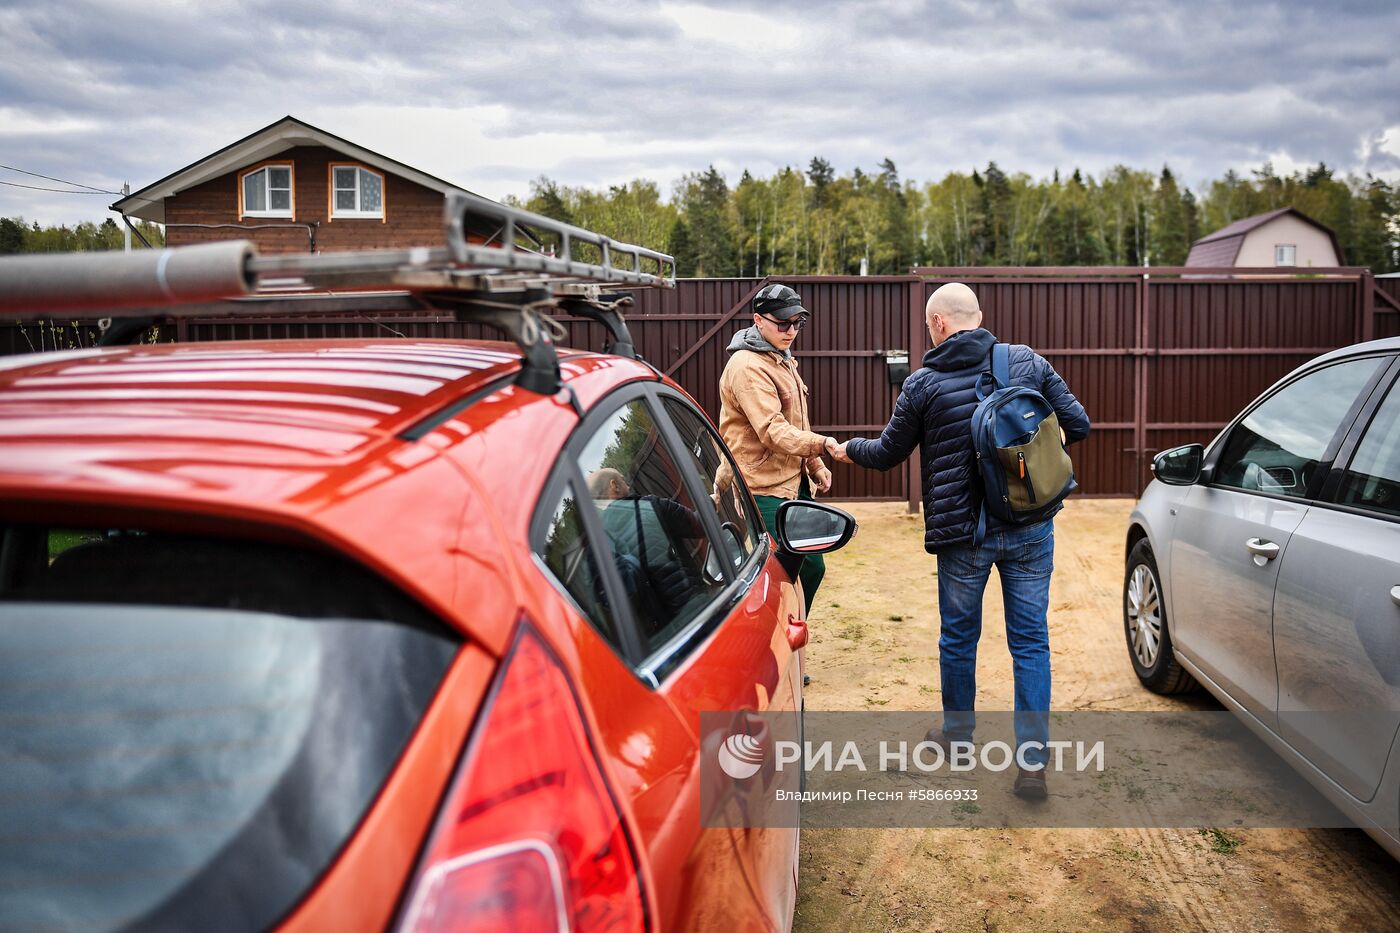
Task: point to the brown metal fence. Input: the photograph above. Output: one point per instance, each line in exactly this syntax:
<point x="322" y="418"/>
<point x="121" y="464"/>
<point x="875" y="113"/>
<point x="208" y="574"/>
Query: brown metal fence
<point x="1158" y="359"/>
<point x="1164" y="357"/>
<point x="1387" y="299"/>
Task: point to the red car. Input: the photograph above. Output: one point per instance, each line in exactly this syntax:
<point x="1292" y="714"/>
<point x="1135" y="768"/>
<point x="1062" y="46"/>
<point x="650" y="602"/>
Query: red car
<point x="356" y="634"/>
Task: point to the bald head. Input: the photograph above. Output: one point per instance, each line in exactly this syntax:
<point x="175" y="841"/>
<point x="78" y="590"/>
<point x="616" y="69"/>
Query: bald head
<point x="951" y="308"/>
<point x="607" y="483"/>
<point x="956" y="301"/>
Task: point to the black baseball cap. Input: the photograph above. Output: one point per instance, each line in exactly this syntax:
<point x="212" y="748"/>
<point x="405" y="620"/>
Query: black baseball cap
<point x="780" y="302"/>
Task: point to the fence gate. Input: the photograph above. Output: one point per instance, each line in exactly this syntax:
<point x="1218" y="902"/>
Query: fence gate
<point x="844" y="352"/>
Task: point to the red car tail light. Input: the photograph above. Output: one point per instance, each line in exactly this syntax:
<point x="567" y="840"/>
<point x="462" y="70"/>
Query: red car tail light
<point x="530" y="837"/>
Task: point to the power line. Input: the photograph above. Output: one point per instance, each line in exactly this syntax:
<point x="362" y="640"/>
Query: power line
<point x="61" y="181"/>
<point x="15" y="184"/>
<point x="77" y="184"/>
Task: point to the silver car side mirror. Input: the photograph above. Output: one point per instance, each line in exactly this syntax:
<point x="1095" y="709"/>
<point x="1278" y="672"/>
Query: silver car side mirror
<point x="1180" y="466"/>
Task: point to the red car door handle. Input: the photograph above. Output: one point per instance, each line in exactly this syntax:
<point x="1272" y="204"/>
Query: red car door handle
<point x="796" y="632"/>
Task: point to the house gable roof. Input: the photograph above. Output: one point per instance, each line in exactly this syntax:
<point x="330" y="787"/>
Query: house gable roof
<point x="1215" y="252"/>
<point x="1214" y="246"/>
<point x="286" y="133"/>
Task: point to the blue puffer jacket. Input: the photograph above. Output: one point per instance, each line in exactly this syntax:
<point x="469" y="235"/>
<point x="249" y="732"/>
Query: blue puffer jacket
<point x="934" y="411"/>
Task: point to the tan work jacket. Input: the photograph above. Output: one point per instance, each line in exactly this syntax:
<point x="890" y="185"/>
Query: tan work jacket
<point x="763" y="418"/>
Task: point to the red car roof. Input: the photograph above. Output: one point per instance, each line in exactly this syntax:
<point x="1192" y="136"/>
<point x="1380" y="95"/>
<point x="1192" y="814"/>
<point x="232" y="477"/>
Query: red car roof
<point x="374" y="386"/>
<point x="169" y="416"/>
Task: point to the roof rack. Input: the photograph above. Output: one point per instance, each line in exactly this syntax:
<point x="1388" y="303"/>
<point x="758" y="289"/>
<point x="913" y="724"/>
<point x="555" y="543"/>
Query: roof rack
<point x="499" y="282"/>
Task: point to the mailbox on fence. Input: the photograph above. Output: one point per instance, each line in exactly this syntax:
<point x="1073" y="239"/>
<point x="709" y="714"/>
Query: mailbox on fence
<point x="897" y="365"/>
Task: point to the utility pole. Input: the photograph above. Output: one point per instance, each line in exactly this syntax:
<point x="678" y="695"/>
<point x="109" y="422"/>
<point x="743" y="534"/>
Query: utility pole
<point x="126" y="224"/>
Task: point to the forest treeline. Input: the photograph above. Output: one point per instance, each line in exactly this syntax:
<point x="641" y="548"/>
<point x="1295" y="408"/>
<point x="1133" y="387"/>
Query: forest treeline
<point x="816" y="222"/>
<point x="18" y="237"/>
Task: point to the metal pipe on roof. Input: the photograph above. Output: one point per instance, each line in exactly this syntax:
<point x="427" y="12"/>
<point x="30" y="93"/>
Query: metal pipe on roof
<point x="42" y="284"/>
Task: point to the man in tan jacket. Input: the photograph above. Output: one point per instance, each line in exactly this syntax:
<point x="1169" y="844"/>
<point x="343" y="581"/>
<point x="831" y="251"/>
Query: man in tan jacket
<point x="764" y="418"/>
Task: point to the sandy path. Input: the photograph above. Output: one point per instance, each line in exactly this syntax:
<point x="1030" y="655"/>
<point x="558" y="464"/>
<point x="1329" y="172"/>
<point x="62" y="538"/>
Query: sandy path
<point x="875" y="644"/>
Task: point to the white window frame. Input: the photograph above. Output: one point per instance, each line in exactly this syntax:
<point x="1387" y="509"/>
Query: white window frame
<point x="265" y="169"/>
<point x="1279" y="254"/>
<point x="336" y="213"/>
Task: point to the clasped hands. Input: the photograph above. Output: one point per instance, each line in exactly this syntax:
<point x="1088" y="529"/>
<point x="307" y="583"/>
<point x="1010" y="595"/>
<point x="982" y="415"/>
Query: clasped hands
<point x="837" y="451"/>
<point x="821" y="475"/>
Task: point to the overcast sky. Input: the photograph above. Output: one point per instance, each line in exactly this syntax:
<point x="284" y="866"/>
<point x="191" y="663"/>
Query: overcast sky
<point x="592" y="93"/>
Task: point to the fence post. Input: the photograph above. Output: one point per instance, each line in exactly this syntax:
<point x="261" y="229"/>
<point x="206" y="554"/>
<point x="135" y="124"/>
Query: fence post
<point x="913" y="475"/>
<point x="1368" y="306"/>
<point x="1145" y="345"/>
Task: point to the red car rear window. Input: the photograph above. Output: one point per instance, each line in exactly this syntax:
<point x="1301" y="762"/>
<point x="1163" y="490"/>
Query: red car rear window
<point x="190" y="728"/>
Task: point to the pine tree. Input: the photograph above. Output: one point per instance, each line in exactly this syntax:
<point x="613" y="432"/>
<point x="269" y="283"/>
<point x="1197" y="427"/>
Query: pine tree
<point x="711" y="234"/>
<point x="547" y="199"/>
<point x="1377" y="229"/>
<point x="11" y="235"/>
<point x="996" y="211"/>
<point x="894" y="234"/>
<point x="678" y="245"/>
<point x="1169" y="235"/>
<point x="820" y="174"/>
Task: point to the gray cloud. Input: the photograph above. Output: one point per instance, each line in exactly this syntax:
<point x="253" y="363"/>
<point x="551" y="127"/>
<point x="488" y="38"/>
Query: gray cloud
<point x="101" y="91"/>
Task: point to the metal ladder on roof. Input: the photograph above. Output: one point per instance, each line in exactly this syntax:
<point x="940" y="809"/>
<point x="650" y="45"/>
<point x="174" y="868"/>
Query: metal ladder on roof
<point x="500" y="283"/>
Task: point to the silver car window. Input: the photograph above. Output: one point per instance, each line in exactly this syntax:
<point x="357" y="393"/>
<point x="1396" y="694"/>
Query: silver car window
<point x="1372" y="479"/>
<point x="1277" y="447"/>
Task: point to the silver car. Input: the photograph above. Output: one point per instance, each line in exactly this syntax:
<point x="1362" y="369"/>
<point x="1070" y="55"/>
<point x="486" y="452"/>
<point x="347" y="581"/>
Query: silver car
<point x="1265" y="567"/>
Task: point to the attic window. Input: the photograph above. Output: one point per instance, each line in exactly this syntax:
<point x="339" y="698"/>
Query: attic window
<point x="266" y="192"/>
<point x="1285" y="255"/>
<point x="356" y="192"/>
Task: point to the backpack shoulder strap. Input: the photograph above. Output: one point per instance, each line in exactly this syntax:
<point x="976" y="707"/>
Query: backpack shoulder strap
<point x="999" y="371"/>
<point x="1001" y="364"/>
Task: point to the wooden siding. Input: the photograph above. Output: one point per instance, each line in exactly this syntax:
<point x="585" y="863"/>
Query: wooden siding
<point x="413" y="213"/>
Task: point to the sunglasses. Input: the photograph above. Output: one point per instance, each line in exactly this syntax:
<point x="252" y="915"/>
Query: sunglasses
<point x="785" y="326"/>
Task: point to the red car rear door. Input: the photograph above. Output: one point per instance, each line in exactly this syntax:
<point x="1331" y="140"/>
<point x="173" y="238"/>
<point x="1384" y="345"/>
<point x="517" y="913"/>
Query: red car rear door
<point x="687" y="601"/>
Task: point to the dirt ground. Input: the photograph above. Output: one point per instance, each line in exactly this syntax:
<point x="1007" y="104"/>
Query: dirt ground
<point x="875" y="645"/>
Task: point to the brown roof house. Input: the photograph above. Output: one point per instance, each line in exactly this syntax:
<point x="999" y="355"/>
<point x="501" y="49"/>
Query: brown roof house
<point x="1282" y="238"/>
<point x="291" y="187"/>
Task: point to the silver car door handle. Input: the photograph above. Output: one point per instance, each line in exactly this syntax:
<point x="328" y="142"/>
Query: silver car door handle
<point x="1395" y="595"/>
<point x="1261" y="548"/>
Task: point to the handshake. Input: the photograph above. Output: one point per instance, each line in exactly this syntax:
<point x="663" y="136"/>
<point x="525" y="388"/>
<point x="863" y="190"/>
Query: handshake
<point x="837" y="451"/>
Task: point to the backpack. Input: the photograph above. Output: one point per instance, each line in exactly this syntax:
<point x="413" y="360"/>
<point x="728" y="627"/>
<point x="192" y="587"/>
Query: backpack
<point x="1021" y="459"/>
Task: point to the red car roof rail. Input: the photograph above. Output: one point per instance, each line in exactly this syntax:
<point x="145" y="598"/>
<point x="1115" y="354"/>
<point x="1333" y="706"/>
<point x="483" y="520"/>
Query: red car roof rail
<point x="500" y="282"/>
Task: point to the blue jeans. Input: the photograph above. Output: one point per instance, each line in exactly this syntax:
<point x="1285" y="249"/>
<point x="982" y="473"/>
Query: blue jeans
<point x="1024" y="558"/>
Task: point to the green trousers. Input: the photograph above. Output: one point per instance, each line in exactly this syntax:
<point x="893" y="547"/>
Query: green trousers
<point x="814" y="567"/>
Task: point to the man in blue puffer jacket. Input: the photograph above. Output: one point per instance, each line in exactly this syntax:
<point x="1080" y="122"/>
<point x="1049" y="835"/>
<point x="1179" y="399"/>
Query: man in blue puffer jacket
<point x="934" y="412"/>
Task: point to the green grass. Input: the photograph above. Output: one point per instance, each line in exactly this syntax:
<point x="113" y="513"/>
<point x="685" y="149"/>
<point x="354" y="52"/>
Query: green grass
<point x="1125" y="853"/>
<point x="1221" y="842"/>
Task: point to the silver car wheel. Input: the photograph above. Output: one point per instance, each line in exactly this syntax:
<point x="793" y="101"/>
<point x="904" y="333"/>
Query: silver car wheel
<point x="1145" y="615"/>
